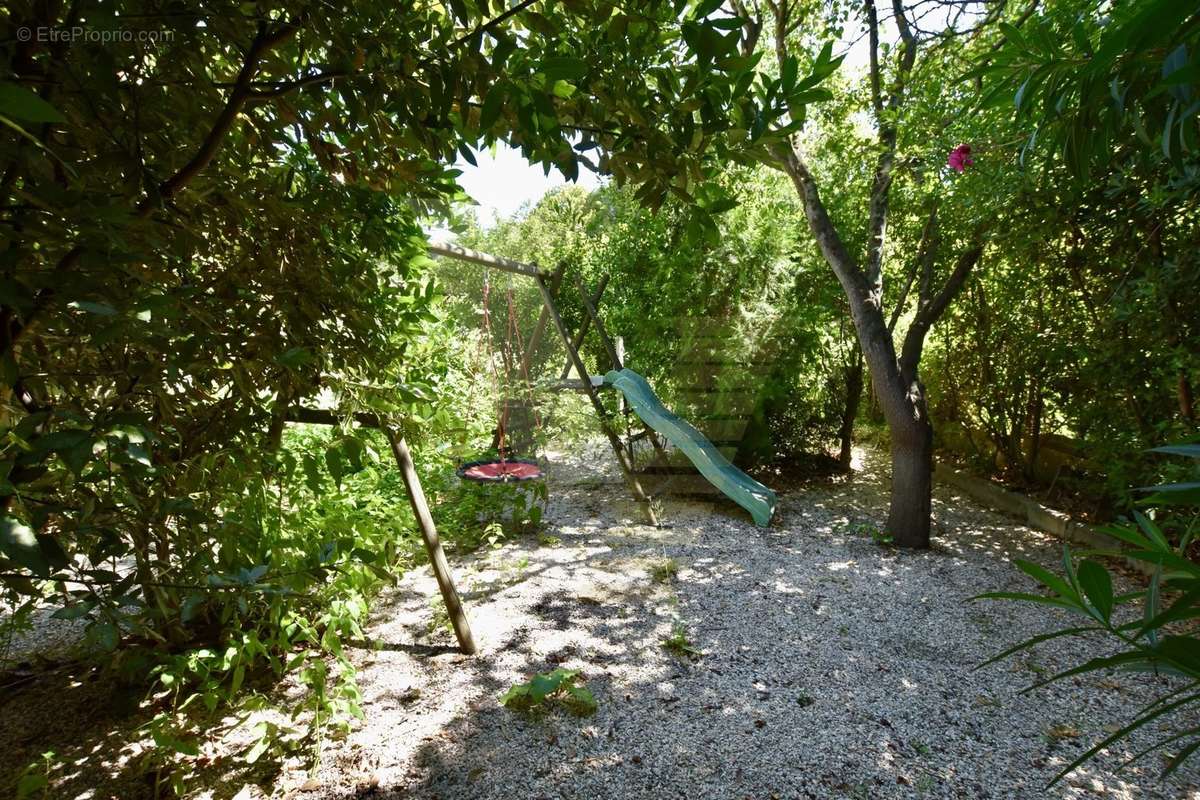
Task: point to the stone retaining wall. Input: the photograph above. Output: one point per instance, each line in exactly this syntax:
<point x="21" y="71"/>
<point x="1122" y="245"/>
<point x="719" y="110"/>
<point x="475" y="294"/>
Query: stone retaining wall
<point x="1033" y="513"/>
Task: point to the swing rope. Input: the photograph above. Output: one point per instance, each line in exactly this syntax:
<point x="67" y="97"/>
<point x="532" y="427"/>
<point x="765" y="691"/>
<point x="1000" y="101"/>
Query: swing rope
<point x="504" y="468"/>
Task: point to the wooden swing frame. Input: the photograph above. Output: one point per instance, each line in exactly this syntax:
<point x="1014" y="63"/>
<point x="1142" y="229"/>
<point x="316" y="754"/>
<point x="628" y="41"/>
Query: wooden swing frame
<point x="548" y="284"/>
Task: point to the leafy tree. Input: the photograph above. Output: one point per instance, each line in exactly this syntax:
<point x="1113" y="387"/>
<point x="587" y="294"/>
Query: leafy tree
<point x="894" y="371"/>
<point x="210" y="226"/>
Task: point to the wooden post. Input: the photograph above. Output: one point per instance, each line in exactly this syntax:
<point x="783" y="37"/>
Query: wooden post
<point x="539" y="330"/>
<point x="590" y="309"/>
<point x="577" y="342"/>
<point x="433" y="545"/>
<point x="616" y="355"/>
<point x="601" y="412"/>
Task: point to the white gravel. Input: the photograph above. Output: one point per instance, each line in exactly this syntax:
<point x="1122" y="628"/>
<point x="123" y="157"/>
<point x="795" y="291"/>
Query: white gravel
<point x="831" y="667"/>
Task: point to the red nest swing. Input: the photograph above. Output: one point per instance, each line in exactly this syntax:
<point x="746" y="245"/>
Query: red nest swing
<point x="503" y="468"/>
<point x="500" y="471"/>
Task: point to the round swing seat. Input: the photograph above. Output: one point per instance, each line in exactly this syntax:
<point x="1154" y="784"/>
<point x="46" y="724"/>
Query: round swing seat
<point x="509" y="470"/>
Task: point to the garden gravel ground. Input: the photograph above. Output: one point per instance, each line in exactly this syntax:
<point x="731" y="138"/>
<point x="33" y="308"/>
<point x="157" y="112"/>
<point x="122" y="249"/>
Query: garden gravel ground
<point x="829" y="666"/>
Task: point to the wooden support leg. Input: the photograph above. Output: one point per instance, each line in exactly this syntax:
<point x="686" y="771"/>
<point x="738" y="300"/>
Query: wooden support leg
<point x="635" y="487"/>
<point x="590" y="309"/>
<point x="539" y="330"/>
<point x="577" y="342"/>
<point x="615" y="351"/>
<point x="433" y="545"/>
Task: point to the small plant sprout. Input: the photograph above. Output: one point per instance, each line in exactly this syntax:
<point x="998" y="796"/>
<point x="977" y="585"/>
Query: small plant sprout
<point x="872" y="530"/>
<point x="562" y="686"/>
<point x="35" y="780"/>
<point x="679" y="644"/>
<point x="664" y="570"/>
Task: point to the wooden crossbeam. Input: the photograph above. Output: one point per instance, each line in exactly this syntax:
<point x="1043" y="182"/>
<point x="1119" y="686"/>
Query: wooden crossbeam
<point x="488" y="260"/>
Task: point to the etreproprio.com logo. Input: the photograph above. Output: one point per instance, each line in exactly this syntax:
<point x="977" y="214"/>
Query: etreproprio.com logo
<point x="78" y="34"/>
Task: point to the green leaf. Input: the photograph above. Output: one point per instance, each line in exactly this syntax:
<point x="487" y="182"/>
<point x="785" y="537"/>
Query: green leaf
<point x="563" y="68"/>
<point x="1013" y="34"/>
<point x="295" y="357"/>
<point x="1190" y="450"/>
<point x="52" y="551"/>
<point x="1030" y="642"/>
<point x="582" y="701"/>
<point x="465" y="151"/>
<point x="516" y="696"/>
<point x="1126" y="660"/>
<point x="1152" y="530"/>
<point x="312" y="473"/>
<point x="543" y="685"/>
<point x="1028" y="598"/>
<point x="1097" y="587"/>
<point x="334" y="463"/>
<point x="17" y="101"/>
<point x="18" y="543"/>
<point x="1048" y="579"/>
<point x="239" y="674"/>
<point x="789" y="73"/>
<point x="76" y="611"/>
<point x="103" y="309"/>
<point x="256" y="752"/>
<point x="493" y="104"/>
<point x="104" y="634"/>
<point x="30" y="783"/>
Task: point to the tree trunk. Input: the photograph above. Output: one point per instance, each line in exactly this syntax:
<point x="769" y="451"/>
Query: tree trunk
<point x="1036" y="409"/>
<point x="912" y="481"/>
<point x="854" y="387"/>
<point x="1187" y="403"/>
<point x="895" y="380"/>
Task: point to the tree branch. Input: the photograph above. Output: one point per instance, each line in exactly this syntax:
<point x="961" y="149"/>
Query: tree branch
<point x="280" y="88"/>
<point x="487" y="26"/>
<point x="922" y="264"/>
<point x="751" y="26"/>
<point x="886" y="123"/>
<point x="264" y="41"/>
<point x="931" y="311"/>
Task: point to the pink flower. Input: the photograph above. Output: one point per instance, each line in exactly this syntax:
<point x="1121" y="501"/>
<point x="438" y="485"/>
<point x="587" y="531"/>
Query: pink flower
<point x="960" y="158"/>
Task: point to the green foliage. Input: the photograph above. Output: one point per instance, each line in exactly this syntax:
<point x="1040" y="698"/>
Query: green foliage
<point x="679" y="644"/>
<point x="870" y="529"/>
<point x="563" y="687"/>
<point x="1095" y="79"/>
<point x="35" y="780"/>
<point x="664" y="570"/>
<point x="1160" y="640"/>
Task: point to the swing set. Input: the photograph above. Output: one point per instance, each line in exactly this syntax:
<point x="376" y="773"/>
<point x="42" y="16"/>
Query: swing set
<point x="505" y="468"/>
<point x="512" y="434"/>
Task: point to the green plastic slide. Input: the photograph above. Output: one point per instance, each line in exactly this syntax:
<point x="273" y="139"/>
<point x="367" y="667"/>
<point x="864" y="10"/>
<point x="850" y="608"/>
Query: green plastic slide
<point x="737" y="485"/>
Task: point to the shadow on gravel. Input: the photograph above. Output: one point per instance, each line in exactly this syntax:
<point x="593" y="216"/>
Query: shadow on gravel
<point x="93" y="725"/>
<point x="829" y="667"/>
